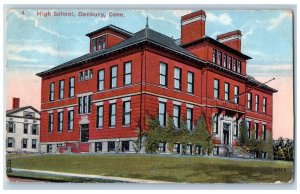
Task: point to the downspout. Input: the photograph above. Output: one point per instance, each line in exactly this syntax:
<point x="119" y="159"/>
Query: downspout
<point x="141" y="98"/>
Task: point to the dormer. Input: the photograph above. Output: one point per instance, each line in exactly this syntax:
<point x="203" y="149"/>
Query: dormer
<point x="107" y="37"/>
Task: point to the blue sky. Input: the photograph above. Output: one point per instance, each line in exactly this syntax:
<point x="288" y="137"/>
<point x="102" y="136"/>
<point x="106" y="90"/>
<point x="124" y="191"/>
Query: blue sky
<point x="37" y="43"/>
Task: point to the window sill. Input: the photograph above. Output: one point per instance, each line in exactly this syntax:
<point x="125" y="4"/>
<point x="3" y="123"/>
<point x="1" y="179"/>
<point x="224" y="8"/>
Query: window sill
<point x="82" y="114"/>
<point x="112" y="127"/>
<point x="125" y="126"/>
<point x="99" y="128"/>
<point x="85" y="79"/>
<point x="70" y="131"/>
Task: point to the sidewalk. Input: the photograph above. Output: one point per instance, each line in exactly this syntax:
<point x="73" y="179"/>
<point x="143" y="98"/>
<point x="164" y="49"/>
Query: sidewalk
<point x="128" y="180"/>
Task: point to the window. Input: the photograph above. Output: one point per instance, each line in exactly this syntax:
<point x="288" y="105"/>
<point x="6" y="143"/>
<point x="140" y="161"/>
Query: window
<point x="126" y="113"/>
<point x="230" y="63"/>
<point x="215" y="124"/>
<point x="177" y="78"/>
<point x="125" y="146"/>
<point x="236" y="132"/>
<point x="49" y="148"/>
<point x="189" y="119"/>
<point x="60" y="122"/>
<point x="176" y="116"/>
<point x="177" y="148"/>
<point x="111" y="146"/>
<point x="11" y="127"/>
<point x="24" y="143"/>
<point x="256" y="103"/>
<point x="86" y="75"/>
<point x="214" y="55"/>
<point x="34" y="129"/>
<point x="33" y="143"/>
<point x="10" y="142"/>
<point x="98" y="147"/>
<point x="219" y="58"/>
<point x="70" y="120"/>
<point x="99" y="123"/>
<point x="94" y="44"/>
<point x="162" y="113"/>
<point x="216" y="88"/>
<point x="190" y="83"/>
<point x="239" y="67"/>
<point x="85" y="104"/>
<point x="234" y="65"/>
<point x="101" y="42"/>
<point x="112" y="115"/>
<point x="162" y="147"/>
<point x="236" y="94"/>
<point x="227" y="91"/>
<point x="256" y="130"/>
<point x="127" y="73"/>
<point x="61" y="89"/>
<point x="163" y="75"/>
<point x="113" y="76"/>
<point x="225" y="60"/>
<point x="51" y="93"/>
<point x="50" y="123"/>
<point x="249" y="128"/>
<point x="72" y="87"/>
<point x="264" y="104"/>
<point x="264" y="131"/>
<point x="249" y="104"/>
<point x="101" y="80"/>
<point x="26" y="128"/>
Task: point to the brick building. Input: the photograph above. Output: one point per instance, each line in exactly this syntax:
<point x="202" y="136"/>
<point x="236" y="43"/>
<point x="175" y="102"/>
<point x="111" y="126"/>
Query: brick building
<point x="98" y="101"/>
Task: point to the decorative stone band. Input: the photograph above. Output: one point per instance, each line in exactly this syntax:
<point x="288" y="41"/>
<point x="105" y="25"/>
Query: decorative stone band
<point x="233" y="37"/>
<point x="194" y="19"/>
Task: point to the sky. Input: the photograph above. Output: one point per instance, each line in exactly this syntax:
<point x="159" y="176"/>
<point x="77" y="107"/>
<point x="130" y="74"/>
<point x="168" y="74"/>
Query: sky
<point x="35" y="43"/>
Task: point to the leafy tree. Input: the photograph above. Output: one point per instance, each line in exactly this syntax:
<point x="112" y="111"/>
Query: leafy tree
<point x="243" y="138"/>
<point x="252" y="143"/>
<point x="268" y="147"/>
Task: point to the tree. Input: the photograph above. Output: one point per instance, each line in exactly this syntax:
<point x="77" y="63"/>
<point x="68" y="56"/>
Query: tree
<point x="243" y="138"/>
<point x="268" y="147"/>
<point x="252" y="142"/>
<point x="200" y="136"/>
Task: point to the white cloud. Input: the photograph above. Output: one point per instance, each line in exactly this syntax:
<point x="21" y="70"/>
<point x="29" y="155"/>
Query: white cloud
<point x="223" y="19"/>
<point x="14" y="57"/>
<point x="17" y="48"/>
<point x="179" y="13"/>
<point x="255" y="53"/>
<point x="275" y="22"/>
<point x="160" y="18"/>
<point x="250" y="32"/>
<point x="31" y="66"/>
<point x="36" y="23"/>
<point x="271" y="67"/>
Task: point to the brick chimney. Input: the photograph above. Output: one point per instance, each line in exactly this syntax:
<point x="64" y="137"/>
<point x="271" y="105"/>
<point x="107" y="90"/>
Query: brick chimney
<point x="16" y="103"/>
<point x="192" y="26"/>
<point x="231" y="39"/>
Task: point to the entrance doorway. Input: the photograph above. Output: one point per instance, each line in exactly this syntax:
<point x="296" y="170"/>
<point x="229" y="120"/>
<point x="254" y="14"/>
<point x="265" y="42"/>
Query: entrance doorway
<point x="84" y="135"/>
<point x="226" y="127"/>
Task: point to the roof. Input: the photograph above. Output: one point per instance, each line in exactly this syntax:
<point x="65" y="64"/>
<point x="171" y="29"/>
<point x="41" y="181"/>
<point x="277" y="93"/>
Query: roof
<point x="219" y="44"/>
<point x="12" y="111"/>
<point x="251" y="80"/>
<point x="111" y="27"/>
<point x="146" y="34"/>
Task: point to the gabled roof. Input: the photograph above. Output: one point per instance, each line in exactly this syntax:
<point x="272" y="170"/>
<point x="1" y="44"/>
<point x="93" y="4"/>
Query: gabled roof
<point x="145" y="35"/>
<point x="12" y="111"/>
<point x="113" y="28"/>
<point x="219" y="44"/>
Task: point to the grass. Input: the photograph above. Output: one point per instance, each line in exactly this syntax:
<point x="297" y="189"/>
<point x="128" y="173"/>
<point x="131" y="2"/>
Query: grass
<point x="163" y="168"/>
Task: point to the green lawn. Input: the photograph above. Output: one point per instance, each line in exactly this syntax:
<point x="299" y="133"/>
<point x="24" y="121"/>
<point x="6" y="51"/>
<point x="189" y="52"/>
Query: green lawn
<point x="164" y="168"/>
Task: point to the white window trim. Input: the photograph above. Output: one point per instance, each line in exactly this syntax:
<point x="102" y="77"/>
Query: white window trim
<point x="84" y="94"/>
<point x="112" y="101"/>
<point x="60" y="110"/>
<point x="177" y="103"/>
<point x="162" y="99"/>
<point x="99" y="103"/>
<point x="189" y="106"/>
<point x="70" y="108"/>
<point x="126" y="99"/>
